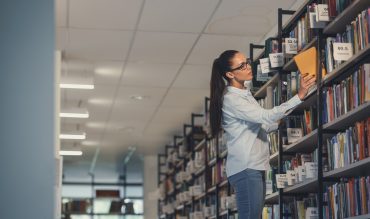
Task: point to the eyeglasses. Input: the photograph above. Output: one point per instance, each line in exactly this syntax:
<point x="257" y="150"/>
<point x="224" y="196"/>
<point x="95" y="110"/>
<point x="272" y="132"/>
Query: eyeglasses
<point x="243" y="65"/>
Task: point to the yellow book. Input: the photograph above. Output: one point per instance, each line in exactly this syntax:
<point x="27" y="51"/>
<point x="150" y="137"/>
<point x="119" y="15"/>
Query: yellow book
<point x="306" y="62"/>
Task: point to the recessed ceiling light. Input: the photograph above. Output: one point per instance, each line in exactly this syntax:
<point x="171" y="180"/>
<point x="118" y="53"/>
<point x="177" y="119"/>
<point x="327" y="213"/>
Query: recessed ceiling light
<point x="74" y="115"/>
<point x="70" y="153"/>
<point x="138" y="97"/>
<point x="73" y="136"/>
<point x="77" y="86"/>
<point x="89" y="143"/>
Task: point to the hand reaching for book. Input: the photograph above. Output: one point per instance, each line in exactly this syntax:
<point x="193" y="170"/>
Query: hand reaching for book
<point x="307" y="81"/>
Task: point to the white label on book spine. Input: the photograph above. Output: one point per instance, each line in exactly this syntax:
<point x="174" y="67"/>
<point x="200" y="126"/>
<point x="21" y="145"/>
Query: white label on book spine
<point x="260" y="76"/>
<point x="276" y="60"/>
<point x="265" y="65"/>
<point x="291" y="45"/>
<point x="311" y="169"/>
<point x="342" y="51"/>
<point x="268" y="187"/>
<point x="312" y="213"/>
<point x="291" y="177"/>
<point x="281" y="181"/>
<point x="294" y="134"/>
<point x="322" y="12"/>
<point x="301" y="174"/>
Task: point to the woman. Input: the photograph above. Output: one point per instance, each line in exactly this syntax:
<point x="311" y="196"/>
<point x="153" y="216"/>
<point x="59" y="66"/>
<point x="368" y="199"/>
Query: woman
<point x="245" y="124"/>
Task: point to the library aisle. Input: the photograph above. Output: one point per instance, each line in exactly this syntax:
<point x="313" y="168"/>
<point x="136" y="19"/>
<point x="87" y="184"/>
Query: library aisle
<point x="106" y="108"/>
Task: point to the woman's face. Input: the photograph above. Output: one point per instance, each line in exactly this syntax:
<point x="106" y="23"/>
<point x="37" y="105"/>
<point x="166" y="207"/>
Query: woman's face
<point x="241" y="67"/>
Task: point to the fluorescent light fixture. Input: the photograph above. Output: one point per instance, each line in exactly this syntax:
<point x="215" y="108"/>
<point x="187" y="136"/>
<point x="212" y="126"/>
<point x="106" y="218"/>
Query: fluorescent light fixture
<point x="73" y="136"/>
<point x="70" y="153"/>
<point x="74" y="115"/>
<point x="77" y="86"/>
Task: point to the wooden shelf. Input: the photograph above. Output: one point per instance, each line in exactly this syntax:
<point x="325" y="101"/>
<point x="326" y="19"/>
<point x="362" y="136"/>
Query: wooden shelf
<point x="338" y="25"/>
<point x="365" y="216"/>
<point x="274" y="158"/>
<point x="224" y="212"/>
<point x="180" y="207"/>
<point x="360" y="168"/>
<point x="199" y="171"/>
<point x="308" y="186"/>
<point x="339" y="73"/>
<point x="212" y="162"/>
<point x="223" y="183"/>
<point x="212" y="189"/>
<point x="291" y="65"/>
<point x="180" y="163"/>
<point x="272" y="198"/>
<point x="223" y="154"/>
<point x="310" y="100"/>
<point x="200" y="196"/>
<point x="306" y="144"/>
<point x="359" y="113"/>
<point x="200" y="145"/>
<point x="262" y="91"/>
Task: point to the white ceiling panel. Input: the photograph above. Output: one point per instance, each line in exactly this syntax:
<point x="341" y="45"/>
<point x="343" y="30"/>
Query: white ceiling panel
<point x="173" y="15"/>
<point x="177" y="97"/>
<point x="152" y="96"/>
<point x="61" y="13"/>
<point x="246" y="18"/>
<point x="107" y="73"/>
<point x="149" y="74"/>
<point x="128" y="113"/>
<point x="98" y="44"/>
<point x="177" y="115"/>
<point x="210" y="47"/>
<point x="156" y="47"/>
<point x="194" y="76"/>
<point x="107" y="14"/>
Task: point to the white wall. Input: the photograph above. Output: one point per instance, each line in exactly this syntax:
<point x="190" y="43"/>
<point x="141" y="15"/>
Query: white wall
<point x="27" y="109"/>
<point x="150" y="185"/>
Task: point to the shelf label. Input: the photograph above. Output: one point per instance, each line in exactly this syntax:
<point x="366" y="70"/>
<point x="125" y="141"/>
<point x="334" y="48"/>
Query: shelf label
<point x="342" y="51"/>
<point x="291" y="45"/>
<point x="322" y="12"/>
<point x="312" y="213"/>
<point x="276" y="60"/>
<point x="265" y="65"/>
<point x="294" y="134"/>
<point x="281" y="181"/>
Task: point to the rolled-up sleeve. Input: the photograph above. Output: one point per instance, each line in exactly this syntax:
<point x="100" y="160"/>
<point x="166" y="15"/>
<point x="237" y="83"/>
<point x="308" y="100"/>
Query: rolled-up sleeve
<point x="248" y="111"/>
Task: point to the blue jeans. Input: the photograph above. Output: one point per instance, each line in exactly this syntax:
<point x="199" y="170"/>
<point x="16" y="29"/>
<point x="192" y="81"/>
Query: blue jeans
<point x="250" y="191"/>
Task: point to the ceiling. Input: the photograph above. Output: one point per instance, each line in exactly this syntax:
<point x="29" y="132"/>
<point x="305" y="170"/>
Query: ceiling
<point x="159" y="49"/>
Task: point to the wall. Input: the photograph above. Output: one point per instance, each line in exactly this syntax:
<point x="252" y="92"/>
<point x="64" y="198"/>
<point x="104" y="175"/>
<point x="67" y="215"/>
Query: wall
<point x="150" y="186"/>
<point x="27" y="110"/>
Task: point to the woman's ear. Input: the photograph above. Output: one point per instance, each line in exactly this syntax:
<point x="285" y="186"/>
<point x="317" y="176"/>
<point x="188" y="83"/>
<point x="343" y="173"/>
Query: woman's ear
<point x="230" y="75"/>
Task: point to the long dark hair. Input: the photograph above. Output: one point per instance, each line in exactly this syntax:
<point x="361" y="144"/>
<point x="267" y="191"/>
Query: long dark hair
<point x="220" y="66"/>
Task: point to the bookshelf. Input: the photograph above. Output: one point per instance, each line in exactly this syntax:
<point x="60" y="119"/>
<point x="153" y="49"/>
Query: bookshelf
<point x="311" y="143"/>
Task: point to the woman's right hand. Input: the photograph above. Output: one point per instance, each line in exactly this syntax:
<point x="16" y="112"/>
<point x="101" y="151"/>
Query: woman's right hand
<point x="307" y="81"/>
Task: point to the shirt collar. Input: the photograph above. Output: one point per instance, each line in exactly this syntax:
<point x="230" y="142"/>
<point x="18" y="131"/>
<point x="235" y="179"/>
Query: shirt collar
<point x="243" y="92"/>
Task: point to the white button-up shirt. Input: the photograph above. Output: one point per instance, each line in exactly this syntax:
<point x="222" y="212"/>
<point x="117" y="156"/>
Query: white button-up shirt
<point x="246" y="125"/>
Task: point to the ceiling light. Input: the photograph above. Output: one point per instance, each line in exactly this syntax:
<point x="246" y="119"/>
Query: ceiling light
<point x="77" y="86"/>
<point x="70" y="153"/>
<point x="138" y="97"/>
<point x="89" y="143"/>
<point x="74" y="115"/>
<point x="73" y="136"/>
